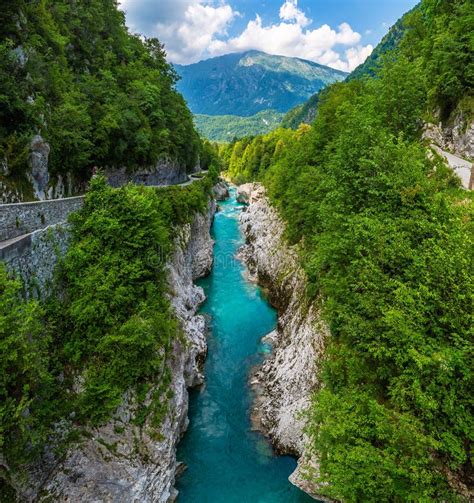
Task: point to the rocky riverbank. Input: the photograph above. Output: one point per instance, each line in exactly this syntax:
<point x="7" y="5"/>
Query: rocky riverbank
<point x="287" y="378"/>
<point x="122" y="461"/>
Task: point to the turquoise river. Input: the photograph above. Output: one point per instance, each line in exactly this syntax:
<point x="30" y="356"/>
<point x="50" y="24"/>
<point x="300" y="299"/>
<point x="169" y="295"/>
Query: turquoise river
<point x="226" y="461"/>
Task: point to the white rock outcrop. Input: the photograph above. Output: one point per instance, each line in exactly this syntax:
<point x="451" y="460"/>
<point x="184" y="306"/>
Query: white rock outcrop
<point x="221" y="191"/>
<point x="457" y="137"/>
<point x="287" y="379"/>
<point x="244" y="192"/>
<point x="122" y="462"/>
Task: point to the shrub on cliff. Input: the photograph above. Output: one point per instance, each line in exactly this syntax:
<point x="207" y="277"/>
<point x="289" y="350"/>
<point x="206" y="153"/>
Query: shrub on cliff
<point x="114" y="319"/>
<point x="109" y="328"/>
<point x="24" y="372"/>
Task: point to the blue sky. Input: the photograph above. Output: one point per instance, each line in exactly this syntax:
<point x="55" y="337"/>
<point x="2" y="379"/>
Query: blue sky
<point x="337" y="33"/>
<point x="363" y="15"/>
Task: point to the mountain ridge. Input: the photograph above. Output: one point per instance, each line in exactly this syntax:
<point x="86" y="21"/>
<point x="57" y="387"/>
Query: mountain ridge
<point x="306" y="112"/>
<point x="249" y="82"/>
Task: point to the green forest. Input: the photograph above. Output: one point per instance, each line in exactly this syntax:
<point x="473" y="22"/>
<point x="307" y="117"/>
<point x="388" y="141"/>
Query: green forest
<point x="224" y="128"/>
<point x="97" y="94"/>
<point x="385" y="235"/>
<point x="108" y="320"/>
<point x="100" y="97"/>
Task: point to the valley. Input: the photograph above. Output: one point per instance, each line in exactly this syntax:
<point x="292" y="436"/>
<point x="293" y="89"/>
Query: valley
<point x="240" y="278"/>
<point x="244" y="94"/>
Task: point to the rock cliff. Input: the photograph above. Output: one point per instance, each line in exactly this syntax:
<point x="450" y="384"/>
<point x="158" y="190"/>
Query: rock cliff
<point x="456" y="137"/>
<point x="121" y="461"/>
<point x="286" y="380"/>
<point x="221" y="191"/>
<point x="166" y="172"/>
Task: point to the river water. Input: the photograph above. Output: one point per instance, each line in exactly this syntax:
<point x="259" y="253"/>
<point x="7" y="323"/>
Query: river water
<point x="226" y="461"/>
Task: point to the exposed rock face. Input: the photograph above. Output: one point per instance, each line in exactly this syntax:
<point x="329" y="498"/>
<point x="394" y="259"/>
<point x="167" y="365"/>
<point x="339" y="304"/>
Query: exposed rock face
<point x="221" y="191"/>
<point x="166" y="172"/>
<point x="287" y="379"/>
<point x="244" y="192"/>
<point x="39" y="166"/>
<point x="458" y="137"/>
<point x="121" y="462"/>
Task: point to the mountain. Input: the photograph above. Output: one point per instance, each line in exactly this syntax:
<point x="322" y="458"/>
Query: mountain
<point x="302" y="114"/>
<point x="389" y="42"/>
<point x="247" y="83"/>
<point x="224" y="128"/>
<point x="306" y="112"/>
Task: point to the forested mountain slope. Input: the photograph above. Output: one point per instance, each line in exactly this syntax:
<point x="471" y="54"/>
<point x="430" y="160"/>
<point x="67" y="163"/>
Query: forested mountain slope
<point x="224" y="128"/>
<point x="386" y="240"/>
<point x="96" y="94"/>
<point x="247" y="83"/>
<point x="306" y="112"/>
<point x="245" y="94"/>
<point x="389" y="42"/>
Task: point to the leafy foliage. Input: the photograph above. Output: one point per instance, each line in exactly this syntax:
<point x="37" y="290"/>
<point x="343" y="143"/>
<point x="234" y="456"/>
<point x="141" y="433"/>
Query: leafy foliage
<point x="386" y="240"/>
<point x="302" y="114"/>
<point x="23" y="368"/>
<point x="224" y="128"/>
<point x="99" y="95"/>
<point x="108" y="330"/>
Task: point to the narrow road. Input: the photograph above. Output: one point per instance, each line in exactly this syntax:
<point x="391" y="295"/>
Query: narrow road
<point x="460" y="166"/>
<point x="13" y="242"/>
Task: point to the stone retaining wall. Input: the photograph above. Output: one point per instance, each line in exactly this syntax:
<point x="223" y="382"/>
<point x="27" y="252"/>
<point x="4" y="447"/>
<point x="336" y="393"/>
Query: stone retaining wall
<point x="33" y="258"/>
<point x="23" y="218"/>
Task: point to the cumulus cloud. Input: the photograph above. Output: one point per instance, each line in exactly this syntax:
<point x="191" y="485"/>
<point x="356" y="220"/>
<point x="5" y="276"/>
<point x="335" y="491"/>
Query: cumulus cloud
<point x="289" y="12"/>
<point x="195" y="29"/>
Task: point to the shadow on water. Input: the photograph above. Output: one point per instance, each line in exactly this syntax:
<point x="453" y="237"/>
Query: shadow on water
<point x="226" y="461"/>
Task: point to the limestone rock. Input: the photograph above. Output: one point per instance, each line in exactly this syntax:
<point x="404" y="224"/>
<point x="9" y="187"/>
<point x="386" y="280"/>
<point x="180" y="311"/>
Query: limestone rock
<point x="221" y="191"/>
<point x="244" y="192"/>
<point x="165" y="172"/>
<point x="39" y="155"/>
<point x="4" y="168"/>
<point x="287" y="379"/>
<point x="121" y="462"/>
<point x="456" y="137"/>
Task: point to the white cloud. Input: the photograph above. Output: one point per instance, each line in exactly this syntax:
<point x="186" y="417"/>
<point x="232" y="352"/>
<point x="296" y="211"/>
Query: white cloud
<point x="292" y="39"/>
<point x="289" y="12"/>
<point x="188" y="39"/>
<point x="196" y="29"/>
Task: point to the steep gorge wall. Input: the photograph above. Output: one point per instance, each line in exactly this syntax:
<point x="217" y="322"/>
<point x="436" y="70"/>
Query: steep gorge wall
<point x="166" y="172"/>
<point x="456" y="137"/>
<point x="121" y="461"/>
<point x="287" y="379"/>
<point x="40" y="185"/>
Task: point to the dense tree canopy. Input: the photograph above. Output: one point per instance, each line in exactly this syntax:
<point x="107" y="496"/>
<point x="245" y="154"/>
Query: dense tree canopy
<point x="99" y="95"/>
<point x="386" y="240"/>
